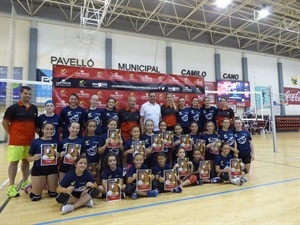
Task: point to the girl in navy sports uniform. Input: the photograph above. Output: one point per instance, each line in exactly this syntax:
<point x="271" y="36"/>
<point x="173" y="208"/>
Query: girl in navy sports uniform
<point x="211" y="148"/>
<point x="41" y="149"/>
<point x="183" y="115"/>
<point x="147" y="136"/>
<point x="158" y="171"/>
<point x="112" y="170"/>
<point x="94" y="113"/>
<point x="72" y="113"/>
<point x="138" y="163"/>
<point x="77" y="188"/>
<point x="208" y="113"/>
<point x="104" y="141"/>
<point x="177" y="133"/>
<point x="244" y="144"/>
<point x="226" y="134"/>
<point x="209" y="136"/>
<point x="222" y="166"/>
<point x="70" y="148"/>
<point x="128" y="147"/>
<point x="49" y="117"/>
<point x="194" y="135"/>
<point x="92" y="148"/>
<point x="195" y="112"/>
<point x="108" y="113"/>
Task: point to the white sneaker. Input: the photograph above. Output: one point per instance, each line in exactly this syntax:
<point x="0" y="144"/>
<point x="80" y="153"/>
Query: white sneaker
<point x="90" y="203"/>
<point x="244" y="179"/>
<point x="67" y="208"/>
<point x="235" y="181"/>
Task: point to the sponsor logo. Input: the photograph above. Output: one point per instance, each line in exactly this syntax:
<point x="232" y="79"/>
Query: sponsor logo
<point x="146" y="78"/>
<point x="82" y="94"/>
<point x="63" y="83"/>
<point x="116" y="95"/>
<point x="99" y="85"/>
<point x="61" y="104"/>
<point x="116" y="76"/>
<point x="82" y="73"/>
<point x="63" y="93"/>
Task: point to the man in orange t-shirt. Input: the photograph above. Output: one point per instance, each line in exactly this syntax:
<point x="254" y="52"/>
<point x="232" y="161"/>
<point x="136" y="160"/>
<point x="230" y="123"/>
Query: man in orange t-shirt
<point x="19" y="122"/>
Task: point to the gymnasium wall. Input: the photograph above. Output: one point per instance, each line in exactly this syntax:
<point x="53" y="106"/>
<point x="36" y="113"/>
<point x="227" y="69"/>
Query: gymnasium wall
<point x="61" y="40"/>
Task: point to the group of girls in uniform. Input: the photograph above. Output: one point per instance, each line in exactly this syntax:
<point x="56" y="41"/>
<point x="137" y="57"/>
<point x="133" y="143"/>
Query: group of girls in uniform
<point x="64" y="166"/>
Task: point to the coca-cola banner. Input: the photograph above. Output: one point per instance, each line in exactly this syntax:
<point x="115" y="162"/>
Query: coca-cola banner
<point x="292" y="95"/>
<point x="120" y="85"/>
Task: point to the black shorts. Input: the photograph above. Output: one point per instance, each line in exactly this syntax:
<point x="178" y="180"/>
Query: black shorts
<point x="64" y="168"/>
<point x="44" y="170"/>
<point x="246" y="157"/>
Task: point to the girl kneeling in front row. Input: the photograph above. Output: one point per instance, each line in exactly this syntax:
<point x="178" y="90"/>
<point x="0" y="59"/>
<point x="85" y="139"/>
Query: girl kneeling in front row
<point x="77" y="188"/>
<point x="138" y="160"/>
<point x="43" y="154"/>
<point x="223" y="169"/>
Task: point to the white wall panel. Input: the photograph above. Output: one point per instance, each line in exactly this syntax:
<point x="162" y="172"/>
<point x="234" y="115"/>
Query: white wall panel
<point x="63" y="41"/>
<point x="138" y="50"/>
<point x="21" y="43"/>
<point x="193" y="57"/>
<point x="231" y="63"/>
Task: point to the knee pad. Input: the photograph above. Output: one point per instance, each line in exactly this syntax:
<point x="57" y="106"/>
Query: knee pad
<point x="93" y="192"/>
<point x="193" y="179"/>
<point x="52" y="194"/>
<point x="224" y="176"/>
<point x="62" y="198"/>
<point x="34" y="197"/>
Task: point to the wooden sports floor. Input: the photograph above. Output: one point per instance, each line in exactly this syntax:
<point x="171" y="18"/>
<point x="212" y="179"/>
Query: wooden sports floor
<point x="271" y="196"/>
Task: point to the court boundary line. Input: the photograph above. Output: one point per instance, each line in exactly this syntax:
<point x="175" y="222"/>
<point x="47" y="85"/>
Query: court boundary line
<point x="166" y="202"/>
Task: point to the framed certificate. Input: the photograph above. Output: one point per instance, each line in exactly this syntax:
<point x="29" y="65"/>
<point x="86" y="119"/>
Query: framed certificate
<point x="236" y="168"/>
<point x="139" y="147"/>
<point x="115" y="138"/>
<point x="113" y="190"/>
<point x="93" y="168"/>
<point x="170" y="180"/>
<point x="205" y="169"/>
<point x="157" y="143"/>
<point x="48" y="154"/>
<point x="215" y="149"/>
<point x="73" y="151"/>
<point x="184" y="168"/>
<point x="143" y="181"/>
<point x="168" y="139"/>
<point x="186" y="142"/>
<point x="200" y="144"/>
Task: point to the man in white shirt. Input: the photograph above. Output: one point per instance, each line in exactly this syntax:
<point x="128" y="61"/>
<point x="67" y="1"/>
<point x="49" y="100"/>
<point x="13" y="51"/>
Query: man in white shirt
<point x="150" y="110"/>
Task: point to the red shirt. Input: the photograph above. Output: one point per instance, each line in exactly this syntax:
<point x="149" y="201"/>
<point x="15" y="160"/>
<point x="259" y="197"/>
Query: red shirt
<point x="23" y="121"/>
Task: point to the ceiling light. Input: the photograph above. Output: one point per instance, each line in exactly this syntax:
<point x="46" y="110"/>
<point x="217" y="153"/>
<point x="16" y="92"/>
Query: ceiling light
<point x="223" y="3"/>
<point x="264" y="12"/>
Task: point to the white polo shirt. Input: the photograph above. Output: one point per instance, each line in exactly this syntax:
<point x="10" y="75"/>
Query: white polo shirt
<point x="152" y="112"/>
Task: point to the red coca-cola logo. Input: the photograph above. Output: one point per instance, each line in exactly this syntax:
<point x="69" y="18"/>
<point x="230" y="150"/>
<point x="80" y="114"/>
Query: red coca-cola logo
<point x="292" y="95"/>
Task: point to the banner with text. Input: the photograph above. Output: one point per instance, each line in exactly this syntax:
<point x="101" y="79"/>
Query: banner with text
<point x="292" y="95"/>
<point x="120" y="85"/>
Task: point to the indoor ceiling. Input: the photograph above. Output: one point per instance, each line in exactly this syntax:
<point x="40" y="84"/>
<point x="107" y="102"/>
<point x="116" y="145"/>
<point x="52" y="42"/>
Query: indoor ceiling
<point x="200" y="21"/>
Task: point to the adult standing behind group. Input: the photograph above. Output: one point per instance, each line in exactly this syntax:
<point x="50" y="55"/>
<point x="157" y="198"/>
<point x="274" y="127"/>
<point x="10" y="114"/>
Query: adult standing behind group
<point x="224" y="112"/>
<point x="150" y="110"/>
<point x="72" y="113"/>
<point x="169" y="111"/>
<point x="19" y="122"/>
<point x="128" y="117"/>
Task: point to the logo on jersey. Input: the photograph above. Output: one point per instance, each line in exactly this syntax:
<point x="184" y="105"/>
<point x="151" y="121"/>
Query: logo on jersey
<point x="92" y="150"/>
<point x="74" y="118"/>
<point x="185" y="118"/>
<point x="114" y="151"/>
<point x="209" y="116"/>
<point x="242" y="140"/>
